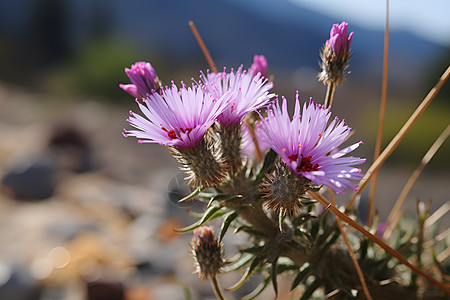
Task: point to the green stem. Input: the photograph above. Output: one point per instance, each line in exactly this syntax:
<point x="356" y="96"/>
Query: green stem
<point x="217" y="288"/>
<point x="329" y="96"/>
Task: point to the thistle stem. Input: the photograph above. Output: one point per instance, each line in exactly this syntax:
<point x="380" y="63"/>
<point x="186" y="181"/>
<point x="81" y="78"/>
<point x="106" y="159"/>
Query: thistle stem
<point x="329" y="95"/>
<point x="217" y="289"/>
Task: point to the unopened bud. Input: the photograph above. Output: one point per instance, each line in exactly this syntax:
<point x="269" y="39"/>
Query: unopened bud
<point x="260" y="65"/>
<point x="207" y="252"/>
<point x="336" y="54"/>
<point x="144" y="80"/>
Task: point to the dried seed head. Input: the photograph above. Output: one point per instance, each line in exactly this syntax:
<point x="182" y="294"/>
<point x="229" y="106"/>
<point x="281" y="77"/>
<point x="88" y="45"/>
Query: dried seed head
<point x="207" y="252"/>
<point x="231" y="139"/>
<point x="284" y="189"/>
<point x="202" y="164"/>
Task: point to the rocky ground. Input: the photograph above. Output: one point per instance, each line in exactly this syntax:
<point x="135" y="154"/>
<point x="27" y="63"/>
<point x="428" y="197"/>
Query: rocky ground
<point x="88" y="214"/>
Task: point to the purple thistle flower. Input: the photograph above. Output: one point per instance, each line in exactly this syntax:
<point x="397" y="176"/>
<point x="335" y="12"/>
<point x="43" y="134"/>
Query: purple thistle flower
<point x="339" y="40"/>
<point x="143" y="78"/>
<point x="260" y="65"/>
<point x="177" y="118"/>
<point x="305" y="142"/>
<point x="252" y="92"/>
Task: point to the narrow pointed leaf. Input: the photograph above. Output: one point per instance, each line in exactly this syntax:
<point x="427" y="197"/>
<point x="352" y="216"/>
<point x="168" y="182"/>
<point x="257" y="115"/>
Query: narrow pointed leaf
<point x="273" y="275"/>
<point x="208" y="214"/>
<point x="258" y="290"/>
<point x="226" y="223"/>
<point x="250" y="231"/>
<point x="253" y="250"/>
<point x="300" y="277"/>
<point x="247" y="273"/>
<point x="332" y="240"/>
<point x="311" y="289"/>
<point x="268" y="163"/>
<point x="239" y="263"/>
<point x="191" y="195"/>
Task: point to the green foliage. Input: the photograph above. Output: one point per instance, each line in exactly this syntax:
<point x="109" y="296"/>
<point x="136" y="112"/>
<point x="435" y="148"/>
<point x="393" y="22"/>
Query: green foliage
<point x="96" y="70"/>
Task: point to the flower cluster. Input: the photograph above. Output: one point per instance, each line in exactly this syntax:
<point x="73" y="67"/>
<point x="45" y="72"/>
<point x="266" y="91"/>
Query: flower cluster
<point x="180" y="118"/>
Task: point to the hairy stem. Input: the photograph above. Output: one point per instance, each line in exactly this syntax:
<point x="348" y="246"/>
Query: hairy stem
<point x="217" y="288"/>
<point x="329" y="95"/>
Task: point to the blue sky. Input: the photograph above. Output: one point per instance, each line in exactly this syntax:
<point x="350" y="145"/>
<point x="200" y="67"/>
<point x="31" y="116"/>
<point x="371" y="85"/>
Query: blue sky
<point x="429" y="19"/>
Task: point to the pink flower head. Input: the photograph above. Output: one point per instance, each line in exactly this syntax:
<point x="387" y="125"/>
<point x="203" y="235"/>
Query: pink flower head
<point x="177" y="118"/>
<point x="260" y="65"/>
<point x="305" y="142"/>
<point x="248" y="145"/>
<point x="339" y="40"/>
<point x="252" y="92"/>
<point x="143" y="78"/>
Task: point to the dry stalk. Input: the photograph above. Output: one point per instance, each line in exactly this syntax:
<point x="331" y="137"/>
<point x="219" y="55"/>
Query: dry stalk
<point x="377" y="240"/>
<point x="350" y="251"/>
<point x="377" y="150"/>
<point x="399" y="136"/>
<point x="203" y="47"/>
<point x="391" y="224"/>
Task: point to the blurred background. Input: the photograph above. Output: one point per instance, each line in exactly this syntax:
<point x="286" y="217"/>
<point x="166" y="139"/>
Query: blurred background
<point x="88" y="214"/>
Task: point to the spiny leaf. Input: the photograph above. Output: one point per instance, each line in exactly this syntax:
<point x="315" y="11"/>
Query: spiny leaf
<point x="332" y="240"/>
<point x="258" y="290"/>
<point x="314" y="228"/>
<point x="311" y="289"/>
<point x="250" y="231"/>
<point x="302" y="218"/>
<point x="253" y="250"/>
<point x="191" y="195"/>
<point x="300" y="277"/>
<point x="268" y="162"/>
<point x="304" y="233"/>
<point x="364" y="245"/>
<point x="238" y="263"/>
<point x="247" y="273"/>
<point x="208" y="215"/>
<point x="306" y="201"/>
<point x="226" y="223"/>
<point x="283" y="267"/>
<point x="273" y="275"/>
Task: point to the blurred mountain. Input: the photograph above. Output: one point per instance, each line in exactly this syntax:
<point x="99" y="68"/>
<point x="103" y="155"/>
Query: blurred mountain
<point x="289" y="35"/>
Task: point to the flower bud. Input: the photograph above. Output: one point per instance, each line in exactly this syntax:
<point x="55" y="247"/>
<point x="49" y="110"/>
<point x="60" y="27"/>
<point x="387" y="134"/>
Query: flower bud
<point x="336" y="54"/>
<point x="144" y="80"/>
<point x="260" y="65"/>
<point x="207" y="252"/>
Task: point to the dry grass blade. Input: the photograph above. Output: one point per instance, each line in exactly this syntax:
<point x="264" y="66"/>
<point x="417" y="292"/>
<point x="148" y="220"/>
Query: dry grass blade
<point x="350" y="251"/>
<point x="425" y="160"/>
<point x="377" y="240"/>
<point x="255" y="141"/>
<point x="205" y="51"/>
<point x="399" y="136"/>
<point x="377" y="150"/>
